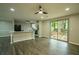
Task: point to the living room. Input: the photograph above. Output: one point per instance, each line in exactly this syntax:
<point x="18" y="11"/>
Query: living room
<point x="28" y="28"/>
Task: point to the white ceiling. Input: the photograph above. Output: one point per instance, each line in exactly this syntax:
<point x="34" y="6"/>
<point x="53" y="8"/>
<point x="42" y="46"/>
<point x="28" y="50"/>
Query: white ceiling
<point x="25" y="11"/>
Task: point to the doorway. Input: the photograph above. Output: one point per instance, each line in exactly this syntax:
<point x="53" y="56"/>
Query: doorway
<point x="60" y="29"/>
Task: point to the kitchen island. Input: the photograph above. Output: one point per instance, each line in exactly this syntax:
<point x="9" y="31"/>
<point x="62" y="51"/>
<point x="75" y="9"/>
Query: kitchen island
<point x="21" y="36"/>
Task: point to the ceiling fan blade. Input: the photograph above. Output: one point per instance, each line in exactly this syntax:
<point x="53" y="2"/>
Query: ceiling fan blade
<point x="36" y="12"/>
<point x="45" y="13"/>
<point x="41" y="10"/>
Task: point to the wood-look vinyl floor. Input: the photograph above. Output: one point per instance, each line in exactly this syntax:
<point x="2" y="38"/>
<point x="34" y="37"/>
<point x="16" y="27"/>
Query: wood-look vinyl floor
<point x="44" y="46"/>
<point x="32" y="47"/>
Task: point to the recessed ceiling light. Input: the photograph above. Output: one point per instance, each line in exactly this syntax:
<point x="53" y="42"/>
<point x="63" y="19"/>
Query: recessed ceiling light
<point x="67" y="9"/>
<point x="12" y="9"/>
<point x="42" y="17"/>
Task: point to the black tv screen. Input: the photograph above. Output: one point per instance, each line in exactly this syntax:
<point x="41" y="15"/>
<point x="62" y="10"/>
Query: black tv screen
<point x="17" y="27"/>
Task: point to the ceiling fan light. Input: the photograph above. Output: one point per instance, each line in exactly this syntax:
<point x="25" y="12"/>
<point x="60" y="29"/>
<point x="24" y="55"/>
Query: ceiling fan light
<point x="40" y="12"/>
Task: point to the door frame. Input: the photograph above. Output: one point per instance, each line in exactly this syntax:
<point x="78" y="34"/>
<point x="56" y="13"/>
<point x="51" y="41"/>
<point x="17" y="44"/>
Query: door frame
<point x="57" y="30"/>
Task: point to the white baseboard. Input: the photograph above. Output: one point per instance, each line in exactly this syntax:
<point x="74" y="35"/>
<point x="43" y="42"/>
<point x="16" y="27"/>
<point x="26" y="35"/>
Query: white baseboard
<point x="45" y="37"/>
<point x="20" y="41"/>
<point x="40" y="36"/>
<point x="74" y="43"/>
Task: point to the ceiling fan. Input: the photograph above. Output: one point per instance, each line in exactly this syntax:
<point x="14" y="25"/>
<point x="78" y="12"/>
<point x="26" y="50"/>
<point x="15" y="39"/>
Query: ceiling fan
<point x="41" y="10"/>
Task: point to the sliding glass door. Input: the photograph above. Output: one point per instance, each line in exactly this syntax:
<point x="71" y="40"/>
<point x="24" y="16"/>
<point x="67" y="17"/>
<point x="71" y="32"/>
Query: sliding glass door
<point x="54" y="29"/>
<point x="59" y="29"/>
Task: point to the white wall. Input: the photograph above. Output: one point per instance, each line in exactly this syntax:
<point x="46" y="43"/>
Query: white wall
<point x="6" y="27"/>
<point x="74" y="29"/>
<point x="44" y="29"/>
<point x="25" y="27"/>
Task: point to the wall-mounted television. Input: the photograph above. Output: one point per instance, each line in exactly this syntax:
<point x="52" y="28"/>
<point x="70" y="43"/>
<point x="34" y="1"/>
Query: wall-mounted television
<point x="17" y="27"/>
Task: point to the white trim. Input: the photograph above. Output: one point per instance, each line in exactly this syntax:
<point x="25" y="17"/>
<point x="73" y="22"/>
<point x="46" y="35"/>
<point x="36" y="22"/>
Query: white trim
<point x="5" y="36"/>
<point x="20" y="41"/>
<point x="45" y="37"/>
<point x="74" y="43"/>
<point x="40" y="36"/>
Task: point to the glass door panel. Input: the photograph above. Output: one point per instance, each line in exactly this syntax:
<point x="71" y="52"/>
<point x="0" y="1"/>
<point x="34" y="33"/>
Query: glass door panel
<point x="54" y="29"/>
<point x="62" y="30"/>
